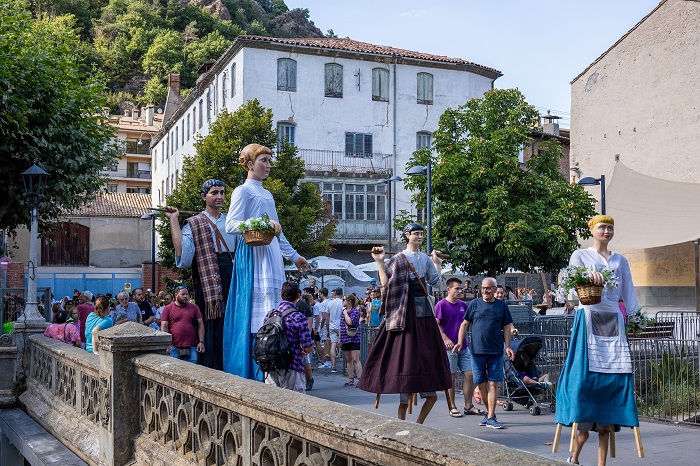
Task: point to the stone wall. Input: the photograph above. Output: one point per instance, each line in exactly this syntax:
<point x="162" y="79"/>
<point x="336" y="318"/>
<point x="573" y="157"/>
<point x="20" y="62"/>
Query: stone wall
<point x="132" y="404"/>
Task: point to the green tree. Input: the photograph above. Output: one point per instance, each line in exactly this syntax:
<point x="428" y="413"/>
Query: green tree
<point x="306" y="219"/>
<point x="490" y="213"/>
<point x="50" y="113"/>
<point x="165" y="55"/>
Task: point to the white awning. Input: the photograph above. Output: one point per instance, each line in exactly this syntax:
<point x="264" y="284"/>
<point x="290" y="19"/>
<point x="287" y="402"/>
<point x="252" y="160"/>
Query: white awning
<point x="651" y="212"/>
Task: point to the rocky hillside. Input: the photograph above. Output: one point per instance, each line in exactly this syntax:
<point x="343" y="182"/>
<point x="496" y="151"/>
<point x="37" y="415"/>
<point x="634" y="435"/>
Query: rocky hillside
<point x="132" y="45"/>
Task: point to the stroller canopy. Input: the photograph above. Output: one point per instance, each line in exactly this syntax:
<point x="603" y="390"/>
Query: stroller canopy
<point x="526" y="351"/>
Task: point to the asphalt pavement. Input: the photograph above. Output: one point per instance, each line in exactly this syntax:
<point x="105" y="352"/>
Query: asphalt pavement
<point x="663" y="443"/>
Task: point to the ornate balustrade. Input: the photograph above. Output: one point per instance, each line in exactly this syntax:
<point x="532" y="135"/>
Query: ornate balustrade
<point x="66" y="393"/>
<point x="132" y="404"/>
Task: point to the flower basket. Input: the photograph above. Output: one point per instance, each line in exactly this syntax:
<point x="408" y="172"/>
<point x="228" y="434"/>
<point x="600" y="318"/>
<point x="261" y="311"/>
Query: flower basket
<point x="258" y="237"/>
<point x="589" y="294"/>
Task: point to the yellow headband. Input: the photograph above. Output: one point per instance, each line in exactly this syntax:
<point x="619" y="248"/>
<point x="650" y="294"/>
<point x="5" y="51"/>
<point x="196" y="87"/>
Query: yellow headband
<point x="600" y="219"/>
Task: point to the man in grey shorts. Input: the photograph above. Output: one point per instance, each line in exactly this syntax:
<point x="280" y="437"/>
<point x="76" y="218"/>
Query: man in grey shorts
<point x="449" y="313"/>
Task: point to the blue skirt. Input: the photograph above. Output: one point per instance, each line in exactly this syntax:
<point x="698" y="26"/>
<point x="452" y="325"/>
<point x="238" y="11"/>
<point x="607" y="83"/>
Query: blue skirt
<point x="585" y="396"/>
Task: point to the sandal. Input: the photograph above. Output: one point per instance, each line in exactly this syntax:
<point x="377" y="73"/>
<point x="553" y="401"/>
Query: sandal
<point x="454" y="412"/>
<point x="472" y="410"/>
<point x="349" y="384"/>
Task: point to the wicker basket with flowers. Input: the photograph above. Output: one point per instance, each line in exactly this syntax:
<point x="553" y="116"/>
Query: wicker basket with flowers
<point x="257" y="231"/>
<point x="576" y="277"/>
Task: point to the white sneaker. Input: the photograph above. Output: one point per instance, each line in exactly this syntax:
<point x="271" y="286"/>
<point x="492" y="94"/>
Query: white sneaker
<point x="320" y="365"/>
<point x="327" y="364"/>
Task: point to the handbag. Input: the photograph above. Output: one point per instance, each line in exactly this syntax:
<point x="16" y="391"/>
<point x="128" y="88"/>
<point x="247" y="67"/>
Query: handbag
<point x="351" y="331"/>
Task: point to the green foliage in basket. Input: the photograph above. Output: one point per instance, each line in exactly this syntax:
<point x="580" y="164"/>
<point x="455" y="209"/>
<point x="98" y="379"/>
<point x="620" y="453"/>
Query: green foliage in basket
<point x="577" y="275"/>
<point x="256" y="223"/>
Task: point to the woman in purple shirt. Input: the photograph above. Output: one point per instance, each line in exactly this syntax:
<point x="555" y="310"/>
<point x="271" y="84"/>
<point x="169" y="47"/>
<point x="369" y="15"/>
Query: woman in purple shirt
<point x="351" y="345"/>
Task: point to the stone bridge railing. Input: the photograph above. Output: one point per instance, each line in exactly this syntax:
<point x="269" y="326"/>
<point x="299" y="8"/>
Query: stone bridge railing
<point x="132" y="404"/>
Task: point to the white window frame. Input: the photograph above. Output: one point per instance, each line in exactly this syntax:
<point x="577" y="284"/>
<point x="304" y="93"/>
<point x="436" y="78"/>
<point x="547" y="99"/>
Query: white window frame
<point x="286" y="130"/>
<point x="421" y="137"/>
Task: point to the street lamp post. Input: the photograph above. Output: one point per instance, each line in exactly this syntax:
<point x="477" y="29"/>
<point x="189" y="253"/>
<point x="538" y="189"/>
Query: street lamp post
<point x="34" y="179"/>
<point x="590" y="181"/>
<point x="389" y="227"/>
<point x="426" y="171"/>
<point x="152" y="217"/>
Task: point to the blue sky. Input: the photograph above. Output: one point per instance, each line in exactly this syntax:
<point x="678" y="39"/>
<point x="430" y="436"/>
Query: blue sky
<point x="538" y="46"/>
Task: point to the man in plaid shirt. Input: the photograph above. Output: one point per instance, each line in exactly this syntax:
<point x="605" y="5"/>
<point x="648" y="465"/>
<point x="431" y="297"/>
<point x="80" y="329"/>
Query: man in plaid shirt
<point x="298" y="338"/>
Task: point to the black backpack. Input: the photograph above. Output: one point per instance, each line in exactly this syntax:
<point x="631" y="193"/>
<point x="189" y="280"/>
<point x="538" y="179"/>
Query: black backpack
<point x="271" y="350"/>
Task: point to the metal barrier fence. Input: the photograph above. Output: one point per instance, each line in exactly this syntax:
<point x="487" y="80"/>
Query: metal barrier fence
<point x="686" y="323"/>
<point x="666" y="371"/>
<point x="12" y="302"/>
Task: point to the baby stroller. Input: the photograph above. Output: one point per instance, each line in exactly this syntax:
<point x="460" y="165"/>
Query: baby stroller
<point x="530" y="396"/>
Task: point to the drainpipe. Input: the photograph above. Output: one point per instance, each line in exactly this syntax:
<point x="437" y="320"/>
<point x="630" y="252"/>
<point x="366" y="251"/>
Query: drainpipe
<point x="697" y="275"/>
<point x="395" y="139"/>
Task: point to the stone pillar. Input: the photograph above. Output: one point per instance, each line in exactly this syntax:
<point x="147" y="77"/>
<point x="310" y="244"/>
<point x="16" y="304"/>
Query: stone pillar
<point x="8" y="363"/>
<point x="119" y="415"/>
<point x="23" y="329"/>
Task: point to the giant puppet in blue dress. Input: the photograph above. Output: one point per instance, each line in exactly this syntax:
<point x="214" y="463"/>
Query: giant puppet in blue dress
<point x="259" y="270"/>
<point x="596" y="385"/>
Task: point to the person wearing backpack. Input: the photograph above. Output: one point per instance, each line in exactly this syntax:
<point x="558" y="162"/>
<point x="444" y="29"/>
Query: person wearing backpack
<point x="298" y="341"/>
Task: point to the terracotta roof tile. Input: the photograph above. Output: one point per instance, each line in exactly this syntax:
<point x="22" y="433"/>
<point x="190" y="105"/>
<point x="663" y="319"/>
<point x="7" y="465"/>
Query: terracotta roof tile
<point x="124" y="205"/>
<point x="350" y="45"/>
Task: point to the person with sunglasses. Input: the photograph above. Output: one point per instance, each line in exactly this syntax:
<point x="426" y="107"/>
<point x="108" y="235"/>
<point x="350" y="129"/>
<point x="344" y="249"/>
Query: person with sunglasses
<point x="133" y="313"/>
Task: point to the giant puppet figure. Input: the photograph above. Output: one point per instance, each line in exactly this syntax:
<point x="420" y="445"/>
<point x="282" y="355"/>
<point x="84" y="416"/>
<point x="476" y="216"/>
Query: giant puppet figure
<point x="258" y="272"/>
<point x="408" y="355"/>
<point x="204" y="245"/>
<point x="596" y="385"/>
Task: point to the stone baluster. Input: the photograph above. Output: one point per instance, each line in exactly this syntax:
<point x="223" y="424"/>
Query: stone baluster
<point x="119" y="404"/>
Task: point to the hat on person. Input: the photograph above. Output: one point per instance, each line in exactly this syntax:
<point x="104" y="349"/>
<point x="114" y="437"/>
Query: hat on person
<point x="88" y="294"/>
<point x="600" y="219"/>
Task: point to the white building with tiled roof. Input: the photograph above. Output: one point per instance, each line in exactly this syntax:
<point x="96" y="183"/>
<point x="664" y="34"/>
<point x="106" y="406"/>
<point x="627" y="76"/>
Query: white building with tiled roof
<point x="356" y="112"/>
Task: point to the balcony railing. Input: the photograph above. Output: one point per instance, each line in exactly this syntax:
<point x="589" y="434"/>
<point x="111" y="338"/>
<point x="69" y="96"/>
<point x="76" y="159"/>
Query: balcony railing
<point x="340" y="161"/>
<point x="133" y="147"/>
<point x="360" y="231"/>
<point x="138" y="174"/>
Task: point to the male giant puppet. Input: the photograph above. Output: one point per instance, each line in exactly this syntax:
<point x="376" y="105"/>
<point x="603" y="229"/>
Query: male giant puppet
<point x="596" y="385"/>
<point x="204" y="245"/>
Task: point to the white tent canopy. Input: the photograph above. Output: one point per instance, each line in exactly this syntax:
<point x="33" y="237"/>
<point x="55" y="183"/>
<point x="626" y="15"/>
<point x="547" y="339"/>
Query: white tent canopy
<point x="651" y="212"/>
<point x="327" y="263"/>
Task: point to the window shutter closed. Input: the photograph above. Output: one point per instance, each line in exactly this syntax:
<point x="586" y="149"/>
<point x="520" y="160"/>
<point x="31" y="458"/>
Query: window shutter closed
<point x="425" y="88"/>
<point x="380" y="85"/>
<point x="333" y="80"/>
<point x="367" y="144"/>
<point x="286" y="75"/>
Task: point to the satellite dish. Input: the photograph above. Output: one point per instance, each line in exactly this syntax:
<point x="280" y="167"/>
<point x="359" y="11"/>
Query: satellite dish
<point x="160" y="110"/>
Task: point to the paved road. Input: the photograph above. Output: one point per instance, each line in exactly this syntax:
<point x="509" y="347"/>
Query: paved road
<point x="664" y="443"/>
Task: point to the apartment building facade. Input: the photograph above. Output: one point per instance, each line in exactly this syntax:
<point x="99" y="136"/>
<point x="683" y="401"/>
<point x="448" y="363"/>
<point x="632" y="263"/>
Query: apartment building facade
<point x="355" y="111"/>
